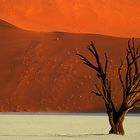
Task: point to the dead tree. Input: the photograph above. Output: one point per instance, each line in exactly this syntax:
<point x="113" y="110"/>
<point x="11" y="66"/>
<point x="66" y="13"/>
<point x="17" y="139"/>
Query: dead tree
<point x="130" y="83"/>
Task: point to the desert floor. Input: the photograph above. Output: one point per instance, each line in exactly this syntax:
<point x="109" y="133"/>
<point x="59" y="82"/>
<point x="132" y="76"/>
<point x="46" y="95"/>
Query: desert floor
<point x="64" y="127"/>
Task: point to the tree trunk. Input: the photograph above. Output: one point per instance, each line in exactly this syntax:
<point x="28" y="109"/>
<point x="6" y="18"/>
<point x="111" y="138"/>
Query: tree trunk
<point x="117" y="125"/>
<point x="117" y="129"/>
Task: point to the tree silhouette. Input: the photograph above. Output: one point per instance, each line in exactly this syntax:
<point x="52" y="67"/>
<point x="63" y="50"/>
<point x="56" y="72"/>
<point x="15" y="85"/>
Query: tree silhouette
<point x="130" y="83"/>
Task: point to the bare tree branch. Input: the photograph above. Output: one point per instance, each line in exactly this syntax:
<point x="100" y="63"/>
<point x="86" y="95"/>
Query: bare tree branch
<point x="120" y="76"/>
<point x="133" y="104"/>
<point x="130" y="84"/>
<point x="106" y="63"/>
<point x="96" y="93"/>
<point x="87" y="62"/>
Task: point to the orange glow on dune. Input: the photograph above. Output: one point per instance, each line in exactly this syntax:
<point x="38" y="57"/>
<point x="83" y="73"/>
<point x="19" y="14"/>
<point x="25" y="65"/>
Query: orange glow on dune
<point x="117" y="18"/>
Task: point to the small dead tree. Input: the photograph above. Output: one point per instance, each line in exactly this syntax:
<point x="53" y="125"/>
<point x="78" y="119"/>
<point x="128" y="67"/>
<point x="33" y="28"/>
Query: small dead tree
<point x="130" y="83"/>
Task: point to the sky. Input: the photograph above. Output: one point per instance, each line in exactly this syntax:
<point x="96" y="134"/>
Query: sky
<point x="108" y="17"/>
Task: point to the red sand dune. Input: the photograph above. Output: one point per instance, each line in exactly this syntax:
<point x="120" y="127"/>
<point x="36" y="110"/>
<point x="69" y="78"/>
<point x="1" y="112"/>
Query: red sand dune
<point x="40" y="71"/>
<point x="110" y="17"/>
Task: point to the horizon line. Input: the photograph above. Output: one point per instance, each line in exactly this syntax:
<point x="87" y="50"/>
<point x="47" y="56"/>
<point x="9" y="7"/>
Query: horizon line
<point x="62" y="31"/>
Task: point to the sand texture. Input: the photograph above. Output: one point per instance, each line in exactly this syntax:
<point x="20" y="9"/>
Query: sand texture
<point x="40" y="72"/>
<point x="64" y="127"/>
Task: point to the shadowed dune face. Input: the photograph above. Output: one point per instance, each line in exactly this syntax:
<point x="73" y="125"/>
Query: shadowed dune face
<point x="40" y="71"/>
<point x="4" y="24"/>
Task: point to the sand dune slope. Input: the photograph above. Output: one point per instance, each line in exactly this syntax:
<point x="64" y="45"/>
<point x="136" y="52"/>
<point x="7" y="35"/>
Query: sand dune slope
<point x="40" y="71"/>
